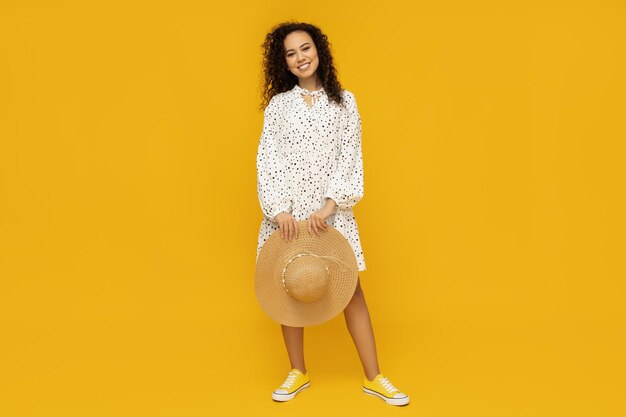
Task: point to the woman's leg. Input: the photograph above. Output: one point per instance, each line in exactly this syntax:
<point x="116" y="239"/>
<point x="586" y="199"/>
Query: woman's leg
<point x="360" y="326"/>
<point x="294" y="341"/>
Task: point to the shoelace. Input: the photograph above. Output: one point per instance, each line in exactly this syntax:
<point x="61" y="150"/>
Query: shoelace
<point x="291" y="378"/>
<point x="388" y="386"/>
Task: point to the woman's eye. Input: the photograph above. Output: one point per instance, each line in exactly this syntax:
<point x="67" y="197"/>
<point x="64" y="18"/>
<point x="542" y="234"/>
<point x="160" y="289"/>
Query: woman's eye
<point x="304" y="49"/>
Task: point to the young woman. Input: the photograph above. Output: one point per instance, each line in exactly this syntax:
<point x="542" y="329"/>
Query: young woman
<point x="310" y="167"/>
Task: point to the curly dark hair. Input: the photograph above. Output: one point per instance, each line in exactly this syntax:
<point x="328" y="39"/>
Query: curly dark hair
<point x="277" y="76"/>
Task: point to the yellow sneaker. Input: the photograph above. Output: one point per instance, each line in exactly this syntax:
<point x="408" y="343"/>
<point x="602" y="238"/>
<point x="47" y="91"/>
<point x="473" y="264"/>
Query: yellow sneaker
<point x="381" y="387"/>
<point x="296" y="381"/>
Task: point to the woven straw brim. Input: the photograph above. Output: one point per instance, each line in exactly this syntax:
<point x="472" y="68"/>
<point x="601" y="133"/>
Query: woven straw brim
<point x="275" y="254"/>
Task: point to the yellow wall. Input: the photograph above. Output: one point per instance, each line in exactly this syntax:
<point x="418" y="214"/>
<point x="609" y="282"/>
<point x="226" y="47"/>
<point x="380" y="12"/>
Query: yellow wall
<point x="492" y="222"/>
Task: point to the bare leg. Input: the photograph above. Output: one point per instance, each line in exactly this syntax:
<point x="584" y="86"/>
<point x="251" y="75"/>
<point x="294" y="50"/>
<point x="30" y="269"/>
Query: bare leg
<point x="294" y="341"/>
<point x="360" y="326"/>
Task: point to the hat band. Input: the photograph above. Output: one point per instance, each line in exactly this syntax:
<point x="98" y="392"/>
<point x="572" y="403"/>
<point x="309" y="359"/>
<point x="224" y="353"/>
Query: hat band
<point x="303" y="253"/>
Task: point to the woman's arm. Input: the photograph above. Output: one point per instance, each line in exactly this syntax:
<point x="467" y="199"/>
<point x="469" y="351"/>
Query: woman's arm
<point x="345" y="188"/>
<point x="272" y="187"/>
<point x="346" y="185"/>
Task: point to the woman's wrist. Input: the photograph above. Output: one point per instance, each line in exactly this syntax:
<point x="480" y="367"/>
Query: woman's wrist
<point x="329" y="206"/>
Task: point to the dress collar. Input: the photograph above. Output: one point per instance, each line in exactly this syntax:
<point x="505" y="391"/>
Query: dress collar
<point x="301" y="90"/>
<point x="315" y="94"/>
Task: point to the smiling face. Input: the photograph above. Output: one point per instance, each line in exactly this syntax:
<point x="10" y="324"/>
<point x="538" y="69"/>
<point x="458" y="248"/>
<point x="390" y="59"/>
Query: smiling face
<point x="301" y="56"/>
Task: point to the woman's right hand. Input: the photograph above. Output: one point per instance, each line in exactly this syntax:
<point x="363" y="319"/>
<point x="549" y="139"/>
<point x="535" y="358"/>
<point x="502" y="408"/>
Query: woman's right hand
<point x="288" y="226"/>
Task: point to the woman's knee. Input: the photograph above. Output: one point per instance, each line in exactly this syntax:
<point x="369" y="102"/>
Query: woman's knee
<point x="359" y="290"/>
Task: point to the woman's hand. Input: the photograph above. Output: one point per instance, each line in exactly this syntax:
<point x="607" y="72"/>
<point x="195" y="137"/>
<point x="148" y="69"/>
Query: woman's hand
<point x="288" y="226"/>
<point x="317" y="220"/>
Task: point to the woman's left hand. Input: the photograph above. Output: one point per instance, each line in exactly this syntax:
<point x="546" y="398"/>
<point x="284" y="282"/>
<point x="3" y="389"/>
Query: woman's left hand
<point x="317" y="220"/>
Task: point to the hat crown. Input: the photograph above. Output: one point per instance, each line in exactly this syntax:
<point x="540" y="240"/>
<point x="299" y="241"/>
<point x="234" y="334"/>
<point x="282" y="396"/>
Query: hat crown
<point x="306" y="278"/>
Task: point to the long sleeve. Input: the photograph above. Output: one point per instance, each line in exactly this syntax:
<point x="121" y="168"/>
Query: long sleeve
<point x="272" y="186"/>
<point x="346" y="184"/>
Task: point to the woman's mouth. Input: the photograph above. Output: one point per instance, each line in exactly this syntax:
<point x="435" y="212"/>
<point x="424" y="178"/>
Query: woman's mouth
<point x="304" y="67"/>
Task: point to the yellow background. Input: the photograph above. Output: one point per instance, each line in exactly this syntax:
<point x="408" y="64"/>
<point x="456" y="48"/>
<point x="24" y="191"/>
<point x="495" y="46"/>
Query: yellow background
<point x="492" y="222"/>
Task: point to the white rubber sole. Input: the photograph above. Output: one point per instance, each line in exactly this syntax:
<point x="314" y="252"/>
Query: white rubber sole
<point x="287" y="397"/>
<point x="392" y="401"/>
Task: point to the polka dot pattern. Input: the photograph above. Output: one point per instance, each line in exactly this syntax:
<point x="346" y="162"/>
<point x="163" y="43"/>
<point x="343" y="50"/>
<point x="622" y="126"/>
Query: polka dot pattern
<point x="306" y="155"/>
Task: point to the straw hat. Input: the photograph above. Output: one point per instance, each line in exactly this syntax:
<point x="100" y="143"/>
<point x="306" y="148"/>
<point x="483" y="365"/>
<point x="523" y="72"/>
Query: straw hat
<point x="306" y="281"/>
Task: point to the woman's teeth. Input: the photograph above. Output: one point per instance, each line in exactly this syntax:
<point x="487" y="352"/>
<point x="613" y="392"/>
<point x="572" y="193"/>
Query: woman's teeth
<point x="305" y="66"/>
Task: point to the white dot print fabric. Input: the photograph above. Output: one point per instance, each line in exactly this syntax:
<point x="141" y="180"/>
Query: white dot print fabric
<point x="307" y="154"/>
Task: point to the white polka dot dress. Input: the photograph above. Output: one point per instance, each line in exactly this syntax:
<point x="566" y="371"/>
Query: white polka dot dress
<point x="306" y="155"/>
